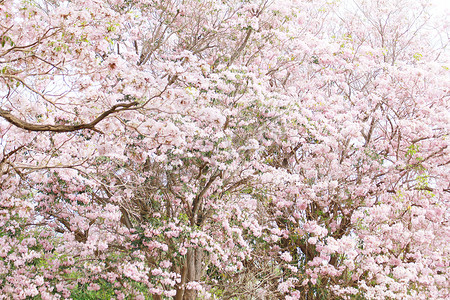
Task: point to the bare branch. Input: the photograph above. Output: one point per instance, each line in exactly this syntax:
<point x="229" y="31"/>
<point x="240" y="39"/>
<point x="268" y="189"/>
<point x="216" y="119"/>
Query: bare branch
<point x="64" y="128"/>
<point x="241" y="47"/>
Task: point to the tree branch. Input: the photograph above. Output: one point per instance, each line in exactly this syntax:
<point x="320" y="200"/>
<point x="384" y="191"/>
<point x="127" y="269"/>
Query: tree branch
<point x="64" y="128"/>
<point x="197" y="200"/>
<point x="241" y="47"/>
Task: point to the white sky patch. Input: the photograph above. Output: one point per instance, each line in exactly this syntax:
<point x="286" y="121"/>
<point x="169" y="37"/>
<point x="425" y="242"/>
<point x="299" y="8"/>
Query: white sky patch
<point x="441" y="4"/>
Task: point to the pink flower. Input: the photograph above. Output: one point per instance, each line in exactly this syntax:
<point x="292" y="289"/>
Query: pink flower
<point x="39" y="280"/>
<point x="93" y="287"/>
<point x="312" y="240"/>
<point x="194" y="285"/>
<point x="165" y="264"/>
<point x="286" y="256"/>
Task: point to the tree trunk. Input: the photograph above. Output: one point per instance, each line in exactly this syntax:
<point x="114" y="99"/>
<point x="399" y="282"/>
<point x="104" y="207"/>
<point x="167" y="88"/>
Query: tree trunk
<point x="192" y="271"/>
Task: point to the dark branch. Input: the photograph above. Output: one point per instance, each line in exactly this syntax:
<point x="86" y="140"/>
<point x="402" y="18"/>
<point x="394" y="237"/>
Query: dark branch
<point x="241" y="47"/>
<point x="198" y="198"/>
<point x="64" y="128"/>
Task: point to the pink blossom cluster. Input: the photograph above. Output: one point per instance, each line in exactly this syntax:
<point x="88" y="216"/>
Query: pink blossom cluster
<point x="184" y="149"/>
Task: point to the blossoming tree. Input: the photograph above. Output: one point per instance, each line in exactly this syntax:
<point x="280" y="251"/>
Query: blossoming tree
<point x="223" y="149"/>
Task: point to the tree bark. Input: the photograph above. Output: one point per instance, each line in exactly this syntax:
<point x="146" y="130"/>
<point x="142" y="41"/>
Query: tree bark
<point x="64" y="128"/>
<point x="192" y="271"/>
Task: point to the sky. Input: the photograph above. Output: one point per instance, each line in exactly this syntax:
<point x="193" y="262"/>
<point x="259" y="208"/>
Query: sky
<point x="442" y="4"/>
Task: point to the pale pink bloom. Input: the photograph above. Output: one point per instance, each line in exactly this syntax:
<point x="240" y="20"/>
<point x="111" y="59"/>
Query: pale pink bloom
<point x="194" y="285"/>
<point x="312" y="240"/>
<point x="165" y="264"/>
<point x="286" y="256"/>
<point x="93" y="287"/>
<point x="156" y="272"/>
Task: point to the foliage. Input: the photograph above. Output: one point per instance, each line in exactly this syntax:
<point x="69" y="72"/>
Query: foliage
<point x="158" y="149"/>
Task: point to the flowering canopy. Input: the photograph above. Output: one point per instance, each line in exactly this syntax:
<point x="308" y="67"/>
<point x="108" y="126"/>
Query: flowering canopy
<point x="223" y="149"/>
